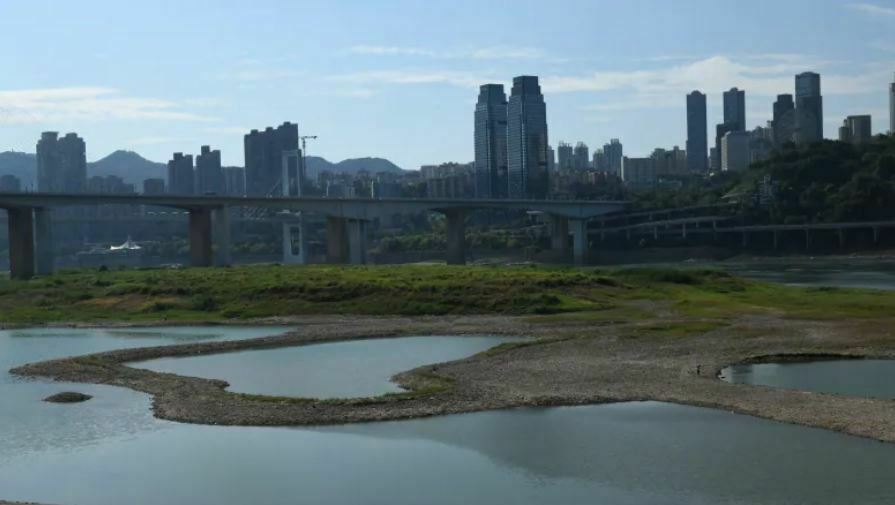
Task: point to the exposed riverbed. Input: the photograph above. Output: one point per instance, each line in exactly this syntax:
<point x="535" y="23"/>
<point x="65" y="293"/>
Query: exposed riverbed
<point x="112" y="451"/>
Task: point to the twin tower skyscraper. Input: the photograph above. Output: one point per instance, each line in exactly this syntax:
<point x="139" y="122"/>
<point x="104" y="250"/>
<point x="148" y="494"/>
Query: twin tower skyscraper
<point x="511" y="146"/>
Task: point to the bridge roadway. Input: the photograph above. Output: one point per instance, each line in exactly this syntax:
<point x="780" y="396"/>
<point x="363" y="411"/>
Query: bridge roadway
<point x="31" y="246"/>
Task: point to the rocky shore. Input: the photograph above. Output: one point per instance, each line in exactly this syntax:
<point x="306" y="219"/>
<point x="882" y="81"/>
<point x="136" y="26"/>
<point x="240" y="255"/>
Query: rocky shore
<point x="572" y="362"/>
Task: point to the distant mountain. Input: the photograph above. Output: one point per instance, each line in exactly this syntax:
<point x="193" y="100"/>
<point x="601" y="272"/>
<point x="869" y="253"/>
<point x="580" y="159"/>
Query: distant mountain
<point x="21" y="165"/>
<point x="317" y="164"/>
<point x="134" y="168"/>
<point x="128" y="165"/>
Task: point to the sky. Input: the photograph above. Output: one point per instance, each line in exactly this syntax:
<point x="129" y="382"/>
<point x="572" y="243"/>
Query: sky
<point x="398" y="79"/>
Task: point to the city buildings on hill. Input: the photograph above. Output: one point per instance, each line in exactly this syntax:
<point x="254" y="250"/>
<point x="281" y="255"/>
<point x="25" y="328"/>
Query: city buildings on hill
<point x="234" y="181"/>
<point x="10" y="184"/>
<point x="735" y="109"/>
<point x="209" y="174"/>
<point x="581" y="157"/>
<point x="856" y="130"/>
<point x="154" y="186"/>
<point x="735" y="155"/>
<point x="61" y="163"/>
<point x="697" y="134"/>
<point x="264" y="159"/>
<point x="614" y="153"/>
<point x="181" y="176"/>
<point x="809" y="108"/>
<point x="491" y="142"/>
<point x="449" y="180"/>
<point x="565" y="152"/>
<point x="892" y="107"/>
<point x="639" y="173"/>
<point x="784" y="119"/>
<point x="527" y="140"/>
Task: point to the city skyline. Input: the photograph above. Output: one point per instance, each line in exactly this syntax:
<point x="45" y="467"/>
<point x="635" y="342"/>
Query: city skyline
<point x="362" y="93"/>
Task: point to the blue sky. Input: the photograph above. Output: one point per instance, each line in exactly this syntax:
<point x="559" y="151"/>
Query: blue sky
<point x="398" y="79"/>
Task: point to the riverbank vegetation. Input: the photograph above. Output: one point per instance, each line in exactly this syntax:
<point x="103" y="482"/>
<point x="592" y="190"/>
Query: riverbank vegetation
<point x="567" y="294"/>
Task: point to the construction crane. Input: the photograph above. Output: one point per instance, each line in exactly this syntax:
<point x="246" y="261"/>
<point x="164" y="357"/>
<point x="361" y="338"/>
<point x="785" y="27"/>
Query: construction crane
<point x="304" y="139"/>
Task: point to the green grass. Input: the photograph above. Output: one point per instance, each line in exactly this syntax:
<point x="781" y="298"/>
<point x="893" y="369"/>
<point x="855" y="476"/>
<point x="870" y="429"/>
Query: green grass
<point x="545" y="294"/>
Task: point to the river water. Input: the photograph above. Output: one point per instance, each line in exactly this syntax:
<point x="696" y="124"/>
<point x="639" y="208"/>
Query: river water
<point x="873" y="378"/>
<point x="857" y="272"/>
<point x="110" y="450"/>
<point x="335" y="370"/>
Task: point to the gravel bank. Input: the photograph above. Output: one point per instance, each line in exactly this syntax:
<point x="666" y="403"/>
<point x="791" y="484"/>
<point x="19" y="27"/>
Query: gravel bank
<point x="572" y="363"/>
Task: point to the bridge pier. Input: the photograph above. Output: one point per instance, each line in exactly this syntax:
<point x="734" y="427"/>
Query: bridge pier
<point x="776" y="239"/>
<point x="579" y="240"/>
<point x="876" y="235"/>
<point x="221" y="236"/>
<point x="21" y="242"/>
<point x="346" y="240"/>
<point x="841" y="238"/>
<point x="200" y="237"/>
<point x="456" y="236"/>
<point x="559" y="236"/>
<point x="336" y="240"/>
<point x="43" y="242"/>
<point x="357" y="241"/>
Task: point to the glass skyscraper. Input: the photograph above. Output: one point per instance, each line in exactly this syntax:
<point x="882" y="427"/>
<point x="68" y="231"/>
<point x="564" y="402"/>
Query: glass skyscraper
<point x="527" y="140"/>
<point x="697" y="134"/>
<point x="735" y="109"/>
<point x="809" y="108"/>
<point x="491" y="142"/>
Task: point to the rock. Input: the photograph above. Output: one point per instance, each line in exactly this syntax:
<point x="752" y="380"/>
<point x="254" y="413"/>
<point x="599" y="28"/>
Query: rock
<point x="68" y="397"/>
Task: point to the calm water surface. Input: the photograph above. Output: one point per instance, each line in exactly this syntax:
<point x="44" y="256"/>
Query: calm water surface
<point x="340" y="369"/>
<point x="110" y="450"/>
<point x="855" y="377"/>
<point x="843" y="273"/>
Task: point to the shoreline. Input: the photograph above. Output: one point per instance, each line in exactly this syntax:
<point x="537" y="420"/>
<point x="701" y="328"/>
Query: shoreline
<point x="573" y="363"/>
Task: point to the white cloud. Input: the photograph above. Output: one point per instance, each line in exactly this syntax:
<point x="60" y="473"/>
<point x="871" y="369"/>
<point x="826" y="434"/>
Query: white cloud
<point x="406" y="77"/>
<point x="227" y="130"/>
<point x="391" y="51"/>
<point x="151" y="141"/>
<point x="873" y="9"/>
<point x="29" y="106"/>
<point x="480" y="53"/>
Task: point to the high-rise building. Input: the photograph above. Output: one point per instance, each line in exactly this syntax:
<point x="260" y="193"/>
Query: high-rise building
<point x="809" y="108"/>
<point x="264" y="159"/>
<point x="209" y="174"/>
<point x="551" y="159"/>
<point x="234" y="181"/>
<point x="527" y="140"/>
<point x="61" y="163"/>
<point x="697" y="134"/>
<point x="720" y="131"/>
<point x="10" y="184"/>
<point x="566" y="154"/>
<point x="892" y="108"/>
<point x="614" y="154"/>
<point x="638" y="173"/>
<point x="154" y="186"/>
<point x="491" y="142"/>
<point x="181" y="176"/>
<point x="735" y="108"/>
<point x="600" y="162"/>
<point x="735" y="151"/>
<point x="581" y="157"/>
<point x="784" y="122"/>
<point x="856" y="130"/>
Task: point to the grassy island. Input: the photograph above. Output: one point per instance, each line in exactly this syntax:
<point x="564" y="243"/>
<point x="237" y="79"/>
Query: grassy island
<point x="253" y="292"/>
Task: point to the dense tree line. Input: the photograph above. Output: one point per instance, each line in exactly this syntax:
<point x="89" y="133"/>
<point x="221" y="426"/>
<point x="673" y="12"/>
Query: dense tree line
<point x="824" y="182"/>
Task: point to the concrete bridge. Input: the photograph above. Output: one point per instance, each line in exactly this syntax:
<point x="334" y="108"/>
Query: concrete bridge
<point x="31" y="244"/>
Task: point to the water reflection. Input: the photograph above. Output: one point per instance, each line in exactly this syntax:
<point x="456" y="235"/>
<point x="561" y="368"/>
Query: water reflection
<point x="339" y="369"/>
<point x="869" y="378"/>
<point x="111" y="451"/>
